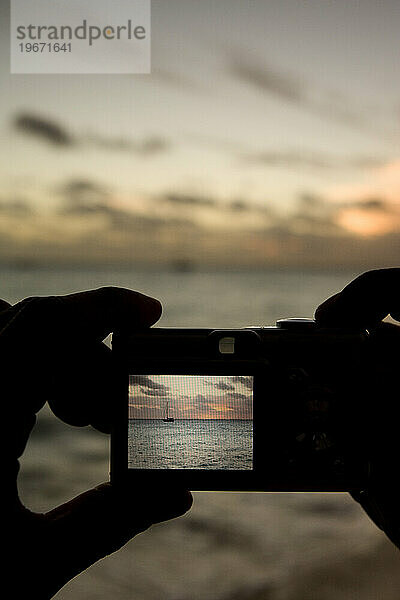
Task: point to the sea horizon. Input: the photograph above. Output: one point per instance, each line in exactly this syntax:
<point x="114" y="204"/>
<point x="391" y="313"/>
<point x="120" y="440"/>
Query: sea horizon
<point x="180" y="419"/>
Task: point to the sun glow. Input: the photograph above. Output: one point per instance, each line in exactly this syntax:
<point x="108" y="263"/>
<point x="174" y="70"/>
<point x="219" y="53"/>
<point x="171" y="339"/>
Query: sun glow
<point x="371" y="223"/>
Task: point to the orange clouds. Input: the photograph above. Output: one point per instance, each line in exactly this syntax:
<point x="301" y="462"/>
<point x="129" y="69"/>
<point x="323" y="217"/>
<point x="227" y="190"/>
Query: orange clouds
<point x="370" y="207"/>
<point x="191" y="396"/>
<point x="369" y="223"/>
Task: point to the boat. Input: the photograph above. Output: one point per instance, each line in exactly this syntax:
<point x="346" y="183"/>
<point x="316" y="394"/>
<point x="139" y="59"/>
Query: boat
<point x="167" y="418"/>
<point x="182" y="265"/>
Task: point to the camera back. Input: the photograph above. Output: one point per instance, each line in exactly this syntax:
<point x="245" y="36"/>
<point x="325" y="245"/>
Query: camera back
<point x="254" y="409"/>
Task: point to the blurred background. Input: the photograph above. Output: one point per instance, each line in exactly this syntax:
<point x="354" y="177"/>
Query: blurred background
<point x="252" y="174"/>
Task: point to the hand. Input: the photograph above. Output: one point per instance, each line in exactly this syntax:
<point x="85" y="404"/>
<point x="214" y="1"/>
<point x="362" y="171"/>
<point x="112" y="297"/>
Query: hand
<point x="51" y="350"/>
<point x="365" y="302"/>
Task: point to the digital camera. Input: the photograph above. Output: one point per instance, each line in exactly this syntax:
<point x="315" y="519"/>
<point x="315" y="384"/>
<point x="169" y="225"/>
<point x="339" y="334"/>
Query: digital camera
<point x="252" y="409"/>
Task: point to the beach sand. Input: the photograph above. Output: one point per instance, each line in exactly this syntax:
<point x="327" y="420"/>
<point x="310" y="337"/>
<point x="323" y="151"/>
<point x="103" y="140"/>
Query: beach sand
<point x="221" y="551"/>
<point x="344" y="577"/>
<point x="230" y="546"/>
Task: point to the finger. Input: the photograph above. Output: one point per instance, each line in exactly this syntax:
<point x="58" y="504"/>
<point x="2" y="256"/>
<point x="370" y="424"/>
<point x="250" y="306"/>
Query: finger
<point x="43" y="334"/>
<point x="363" y="302"/>
<point x="92" y="315"/>
<point x="4" y="305"/>
<point x="109" y="309"/>
<point x="382" y="507"/>
<point x="85" y="393"/>
<point x="103" y="519"/>
<point x="4" y="313"/>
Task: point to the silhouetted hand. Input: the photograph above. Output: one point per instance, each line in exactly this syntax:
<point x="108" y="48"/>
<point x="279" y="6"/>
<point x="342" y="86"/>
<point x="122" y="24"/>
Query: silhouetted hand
<point x="51" y="350"/>
<point x="365" y="302"/>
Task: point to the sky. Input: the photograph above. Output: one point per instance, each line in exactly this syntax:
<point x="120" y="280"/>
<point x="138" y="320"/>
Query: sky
<point x="191" y="396"/>
<point x="267" y="134"/>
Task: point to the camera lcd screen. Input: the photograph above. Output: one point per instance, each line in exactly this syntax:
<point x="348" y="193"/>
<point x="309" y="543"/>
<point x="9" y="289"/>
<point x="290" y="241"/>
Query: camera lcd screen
<point x="190" y="422"/>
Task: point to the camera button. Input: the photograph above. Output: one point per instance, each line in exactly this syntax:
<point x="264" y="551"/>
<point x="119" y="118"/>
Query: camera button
<point x="226" y="345"/>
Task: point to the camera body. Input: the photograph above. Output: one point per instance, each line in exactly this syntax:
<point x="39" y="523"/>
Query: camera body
<point x="254" y="409"/>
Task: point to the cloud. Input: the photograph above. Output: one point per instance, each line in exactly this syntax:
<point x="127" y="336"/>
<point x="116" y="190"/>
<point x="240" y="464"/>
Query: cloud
<point x="299" y="92"/>
<point x="237" y="396"/>
<point x="230" y="405"/>
<point x="238" y="205"/>
<point x="44" y="128"/>
<point x="371" y="206"/>
<point x="15" y="208"/>
<point x="81" y="190"/>
<point x="247" y="380"/>
<point x="382" y="182"/>
<point x="212" y="402"/>
<point x="188" y="200"/>
<point x="369" y="217"/>
<point x="306" y="224"/>
<point x="292" y="158"/>
<point x="314" y="216"/>
<point x="144" y="147"/>
<point x="374" y="204"/>
<point x="174" y="79"/>
<point x="301" y="159"/>
<point x="87" y="198"/>
<point x="223" y="385"/>
<point x="342" y="238"/>
<point x="95" y="226"/>
<point x="121" y="220"/>
<point x="144" y="381"/>
<point x="58" y="135"/>
<point x="265" y="78"/>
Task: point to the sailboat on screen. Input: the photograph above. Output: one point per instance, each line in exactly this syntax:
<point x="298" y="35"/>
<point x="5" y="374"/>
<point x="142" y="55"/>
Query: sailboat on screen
<point x="167" y="418"/>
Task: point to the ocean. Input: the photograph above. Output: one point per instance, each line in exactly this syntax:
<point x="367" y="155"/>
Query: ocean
<point x="230" y="546"/>
<point x="216" y="444"/>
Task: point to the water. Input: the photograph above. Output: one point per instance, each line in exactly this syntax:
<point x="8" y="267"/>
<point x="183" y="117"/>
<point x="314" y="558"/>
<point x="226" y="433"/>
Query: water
<point x="230" y="546"/>
<point x="190" y="444"/>
<point x="198" y="299"/>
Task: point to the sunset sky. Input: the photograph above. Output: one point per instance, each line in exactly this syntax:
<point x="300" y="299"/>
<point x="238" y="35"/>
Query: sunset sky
<point x="267" y="134"/>
<point x="191" y="396"/>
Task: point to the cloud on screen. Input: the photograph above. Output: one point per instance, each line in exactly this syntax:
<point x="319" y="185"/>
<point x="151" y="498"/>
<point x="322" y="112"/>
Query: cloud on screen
<point x="190" y="397"/>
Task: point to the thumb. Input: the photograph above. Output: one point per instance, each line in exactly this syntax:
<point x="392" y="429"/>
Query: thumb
<point x="382" y="507"/>
<point x="4" y="305"/>
<point x="102" y="520"/>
